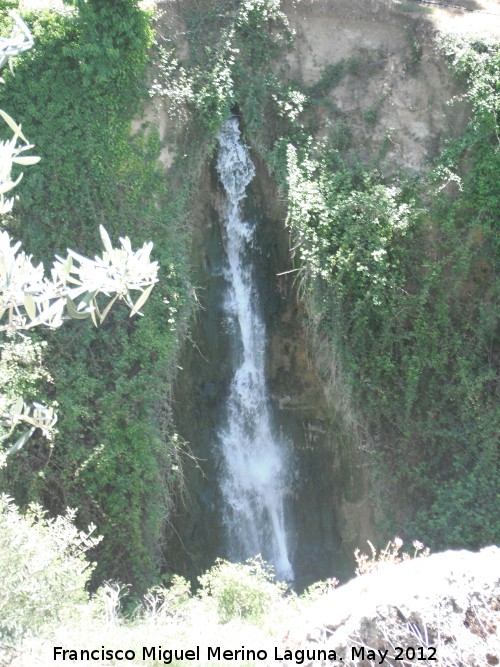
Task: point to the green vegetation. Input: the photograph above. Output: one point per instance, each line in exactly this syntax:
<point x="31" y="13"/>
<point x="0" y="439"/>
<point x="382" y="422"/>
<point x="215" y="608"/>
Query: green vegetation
<point x="228" y="69"/>
<point x="236" y="605"/>
<point x="43" y="569"/>
<point x="400" y="276"/>
<point x="400" y="273"/>
<point x="242" y="591"/>
<point x="330" y="77"/>
<point x="233" y="600"/>
<point x="403" y="280"/>
<point x="77" y="92"/>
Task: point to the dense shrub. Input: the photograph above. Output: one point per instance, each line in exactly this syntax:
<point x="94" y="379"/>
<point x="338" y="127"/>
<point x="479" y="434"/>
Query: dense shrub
<point x="43" y="570"/>
<point x="241" y="590"/>
<point x="76" y="94"/>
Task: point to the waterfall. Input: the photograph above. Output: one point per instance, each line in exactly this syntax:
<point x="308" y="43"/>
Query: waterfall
<point x="253" y="457"/>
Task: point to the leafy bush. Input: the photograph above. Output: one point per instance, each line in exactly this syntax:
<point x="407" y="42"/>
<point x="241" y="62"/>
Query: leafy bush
<point x="43" y="569"/>
<point x="163" y="602"/>
<point x="110" y="46"/>
<point x="241" y="590"/>
<point x="347" y="225"/>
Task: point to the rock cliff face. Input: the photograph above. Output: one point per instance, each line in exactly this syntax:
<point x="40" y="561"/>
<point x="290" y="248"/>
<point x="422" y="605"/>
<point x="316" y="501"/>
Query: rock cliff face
<point x="396" y="92"/>
<point x="442" y="610"/>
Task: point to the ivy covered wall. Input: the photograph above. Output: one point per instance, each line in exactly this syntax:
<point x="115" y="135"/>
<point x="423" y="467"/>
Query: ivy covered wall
<point x="116" y="454"/>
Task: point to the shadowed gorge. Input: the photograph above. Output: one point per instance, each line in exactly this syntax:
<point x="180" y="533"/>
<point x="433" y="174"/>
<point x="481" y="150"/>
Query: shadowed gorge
<point x="295" y="399"/>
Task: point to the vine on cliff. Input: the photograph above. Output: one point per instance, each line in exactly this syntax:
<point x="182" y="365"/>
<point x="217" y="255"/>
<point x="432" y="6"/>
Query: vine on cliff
<point x="114" y="457"/>
<point x="403" y="279"/>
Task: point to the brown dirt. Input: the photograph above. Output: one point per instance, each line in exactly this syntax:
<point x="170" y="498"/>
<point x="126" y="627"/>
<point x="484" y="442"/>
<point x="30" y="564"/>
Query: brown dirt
<point x="397" y="97"/>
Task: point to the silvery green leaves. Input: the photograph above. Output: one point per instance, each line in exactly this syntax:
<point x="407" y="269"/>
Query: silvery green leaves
<point x="29" y="298"/>
<point x="10" y="154"/>
<point x="44" y="571"/>
<point x="20" y="40"/>
<point x="78" y="287"/>
<point x="15" y="412"/>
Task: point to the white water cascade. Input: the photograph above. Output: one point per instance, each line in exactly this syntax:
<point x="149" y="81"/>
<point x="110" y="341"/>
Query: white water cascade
<point x="253" y="477"/>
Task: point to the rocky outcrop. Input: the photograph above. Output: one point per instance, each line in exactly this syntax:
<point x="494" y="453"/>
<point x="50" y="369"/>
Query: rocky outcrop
<point x="441" y="610"/>
<point x="394" y="96"/>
